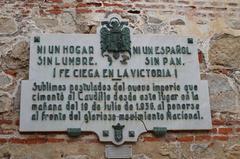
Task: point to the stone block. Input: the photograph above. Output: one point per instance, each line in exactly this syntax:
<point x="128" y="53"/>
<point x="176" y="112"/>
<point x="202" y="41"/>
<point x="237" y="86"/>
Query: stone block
<point x="5" y="103"/>
<point x="5" y="80"/>
<point x="233" y="152"/>
<point x="17" y="57"/>
<point x="177" y="22"/>
<point x="224" y="51"/>
<point x="44" y="23"/>
<point x="222" y="95"/>
<point x="7" y="25"/>
<point x="140" y="156"/>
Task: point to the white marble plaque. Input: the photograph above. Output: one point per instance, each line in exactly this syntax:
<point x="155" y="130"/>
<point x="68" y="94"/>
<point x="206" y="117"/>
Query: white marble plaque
<point x="75" y="83"/>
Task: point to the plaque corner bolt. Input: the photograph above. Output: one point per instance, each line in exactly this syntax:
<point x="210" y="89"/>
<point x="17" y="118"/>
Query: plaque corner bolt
<point x="36" y="39"/>
<point x="73" y="132"/>
<point x="159" y="131"/>
<point x="190" y="40"/>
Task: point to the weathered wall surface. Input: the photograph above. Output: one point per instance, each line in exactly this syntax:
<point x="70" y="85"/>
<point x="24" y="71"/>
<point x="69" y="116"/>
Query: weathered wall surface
<point x="215" y="23"/>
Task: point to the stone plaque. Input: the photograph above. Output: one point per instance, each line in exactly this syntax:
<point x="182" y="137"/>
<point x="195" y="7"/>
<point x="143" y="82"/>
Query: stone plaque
<point x="113" y="83"/>
<point x="116" y="152"/>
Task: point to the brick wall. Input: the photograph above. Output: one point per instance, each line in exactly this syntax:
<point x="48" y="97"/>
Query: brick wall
<point x="215" y="23"/>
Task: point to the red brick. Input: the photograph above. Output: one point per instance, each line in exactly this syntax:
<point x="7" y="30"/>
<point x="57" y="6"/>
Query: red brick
<point x="200" y="56"/>
<point x="55" y="140"/>
<point x="238" y="129"/>
<point x="55" y="1"/>
<point x="36" y="140"/>
<point x="2" y="141"/>
<point x="66" y="5"/>
<point x="151" y="139"/>
<point x="3" y="121"/>
<point x="95" y="4"/>
<point x="55" y="11"/>
<point x="116" y="5"/>
<point x="100" y="11"/>
<point x="6" y="132"/>
<point x="202" y="138"/>
<point x="17" y="141"/>
<point x="83" y="10"/>
<point x="185" y="139"/>
<point x="56" y="7"/>
<point x="220" y="137"/>
<point x="17" y="122"/>
<point x="11" y="72"/>
<point x="150" y="6"/>
<point x="81" y="5"/>
<point x="117" y="11"/>
<point x="90" y="4"/>
<point x="225" y="130"/>
<point x="218" y="122"/>
<point x="214" y="130"/>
